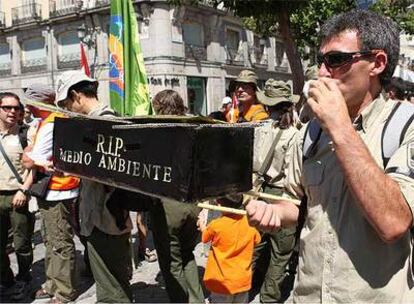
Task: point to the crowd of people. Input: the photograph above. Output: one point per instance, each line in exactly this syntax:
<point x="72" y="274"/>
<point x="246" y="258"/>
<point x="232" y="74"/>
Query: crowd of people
<point x="340" y="189"/>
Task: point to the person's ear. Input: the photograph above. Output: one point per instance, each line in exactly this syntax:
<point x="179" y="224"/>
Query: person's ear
<point x="75" y="95"/>
<point x="380" y="63"/>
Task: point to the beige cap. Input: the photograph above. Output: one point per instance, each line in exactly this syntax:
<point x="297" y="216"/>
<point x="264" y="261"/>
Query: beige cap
<point x="68" y="79"/>
<point x="247" y="76"/>
<point x="276" y="92"/>
<point x="311" y="72"/>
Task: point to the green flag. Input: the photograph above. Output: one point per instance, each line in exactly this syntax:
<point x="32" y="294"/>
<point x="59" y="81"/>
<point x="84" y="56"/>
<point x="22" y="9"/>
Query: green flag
<point x="128" y="80"/>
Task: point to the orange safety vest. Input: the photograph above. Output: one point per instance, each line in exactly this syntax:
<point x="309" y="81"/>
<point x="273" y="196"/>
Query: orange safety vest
<point x="256" y="112"/>
<point x="59" y="183"/>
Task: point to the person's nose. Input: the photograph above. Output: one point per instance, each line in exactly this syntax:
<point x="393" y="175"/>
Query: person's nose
<point x="324" y="71"/>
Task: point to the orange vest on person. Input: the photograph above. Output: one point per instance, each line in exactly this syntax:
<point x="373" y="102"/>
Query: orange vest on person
<point x="256" y="112"/>
<point x="59" y="183"/>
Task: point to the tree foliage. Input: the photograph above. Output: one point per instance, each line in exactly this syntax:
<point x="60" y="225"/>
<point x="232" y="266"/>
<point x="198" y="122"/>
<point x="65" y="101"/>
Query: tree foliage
<point x="401" y="11"/>
<point x="298" y="21"/>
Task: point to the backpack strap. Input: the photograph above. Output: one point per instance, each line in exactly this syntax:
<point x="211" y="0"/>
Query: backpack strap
<point x="312" y="135"/>
<point x="22" y="133"/>
<point x="395" y="128"/>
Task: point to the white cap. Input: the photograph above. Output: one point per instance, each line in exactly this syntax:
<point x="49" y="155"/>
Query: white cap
<point x="68" y="79"/>
<point x="226" y="100"/>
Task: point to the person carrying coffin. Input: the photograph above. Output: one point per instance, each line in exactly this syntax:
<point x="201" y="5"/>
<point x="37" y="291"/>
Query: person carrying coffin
<point x="107" y="233"/>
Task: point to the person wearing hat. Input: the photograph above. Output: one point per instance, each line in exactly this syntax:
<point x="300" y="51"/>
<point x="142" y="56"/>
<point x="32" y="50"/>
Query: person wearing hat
<point x="249" y="107"/>
<point x="305" y="113"/>
<point x="107" y="234"/>
<point x="55" y="208"/>
<point x="273" y="140"/>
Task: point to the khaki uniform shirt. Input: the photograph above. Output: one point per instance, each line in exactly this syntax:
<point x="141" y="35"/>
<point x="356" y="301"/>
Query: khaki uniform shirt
<point x="92" y="208"/>
<point x="342" y="258"/>
<point x="264" y="137"/>
<point x="11" y="144"/>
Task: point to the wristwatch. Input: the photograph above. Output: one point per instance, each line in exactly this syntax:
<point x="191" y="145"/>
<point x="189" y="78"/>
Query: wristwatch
<point x="24" y="191"/>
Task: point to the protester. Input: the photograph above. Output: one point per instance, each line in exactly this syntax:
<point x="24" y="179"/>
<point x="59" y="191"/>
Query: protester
<point x="55" y="207"/>
<point x="396" y="89"/>
<point x="175" y="228"/>
<point x="305" y="113"/>
<point x="107" y="234"/>
<point x="273" y="139"/>
<point x="355" y="245"/>
<point x="14" y="184"/>
<point x="249" y="108"/>
<point x="29" y="119"/>
<point x="228" y="274"/>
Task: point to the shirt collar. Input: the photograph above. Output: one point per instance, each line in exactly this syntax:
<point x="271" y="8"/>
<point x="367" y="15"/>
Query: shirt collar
<point x="370" y="114"/>
<point x="13" y="130"/>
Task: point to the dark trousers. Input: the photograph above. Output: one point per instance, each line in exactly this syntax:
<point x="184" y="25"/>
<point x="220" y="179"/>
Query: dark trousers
<point x="174" y="227"/>
<point x="60" y="256"/>
<point x="22" y="223"/>
<point x="110" y="261"/>
<point x="270" y="262"/>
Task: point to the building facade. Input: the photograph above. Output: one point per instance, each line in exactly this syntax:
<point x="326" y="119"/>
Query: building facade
<point x="196" y="51"/>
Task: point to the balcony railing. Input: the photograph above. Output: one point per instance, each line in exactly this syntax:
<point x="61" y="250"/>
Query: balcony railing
<point x="103" y="2"/>
<point x="195" y="52"/>
<point x="234" y="56"/>
<point x="5" y="69"/>
<point x="33" y="65"/>
<point x="69" y="61"/>
<point x="2" y="20"/>
<point x="64" y="7"/>
<point x="26" y="13"/>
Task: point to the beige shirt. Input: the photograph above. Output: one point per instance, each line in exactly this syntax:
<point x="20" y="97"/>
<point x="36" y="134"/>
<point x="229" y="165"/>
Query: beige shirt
<point x="342" y="258"/>
<point x="264" y="137"/>
<point x="11" y="144"/>
<point x="92" y="208"/>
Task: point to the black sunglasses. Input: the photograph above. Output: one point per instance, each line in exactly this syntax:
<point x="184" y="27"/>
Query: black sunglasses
<point x="9" y="108"/>
<point x="336" y="59"/>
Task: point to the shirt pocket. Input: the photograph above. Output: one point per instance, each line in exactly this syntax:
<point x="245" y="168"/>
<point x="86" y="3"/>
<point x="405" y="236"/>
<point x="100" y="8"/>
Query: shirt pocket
<point x="313" y="176"/>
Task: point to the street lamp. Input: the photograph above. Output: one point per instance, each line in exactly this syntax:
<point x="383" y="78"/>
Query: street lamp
<point x="88" y="37"/>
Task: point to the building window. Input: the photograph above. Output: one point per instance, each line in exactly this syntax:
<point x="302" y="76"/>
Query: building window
<point x="69" y="50"/>
<point x="33" y="55"/>
<point x="280" y="51"/>
<point x="5" y="59"/>
<point x="232" y="45"/>
<point x="196" y="95"/>
<point x="193" y="34"/>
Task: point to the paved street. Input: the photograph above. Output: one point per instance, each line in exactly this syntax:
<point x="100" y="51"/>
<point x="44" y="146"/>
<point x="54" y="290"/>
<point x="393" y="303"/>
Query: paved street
<point x="147" y="282"/>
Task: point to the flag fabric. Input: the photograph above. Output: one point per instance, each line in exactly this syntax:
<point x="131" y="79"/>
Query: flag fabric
<point x="84" y="61"/>
<point x="234" y="110"/>
<point x="128" y="82"/>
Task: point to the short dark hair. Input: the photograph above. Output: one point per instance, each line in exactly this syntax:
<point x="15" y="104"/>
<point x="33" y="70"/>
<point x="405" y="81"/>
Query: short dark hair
<point x="398" y="86"/>
<point x="12" y="95"/>
<point x="375" y="32"/>
<point x="231" y="201"/>
<point x="87" y="88"/>
<point x="168" y="102"/>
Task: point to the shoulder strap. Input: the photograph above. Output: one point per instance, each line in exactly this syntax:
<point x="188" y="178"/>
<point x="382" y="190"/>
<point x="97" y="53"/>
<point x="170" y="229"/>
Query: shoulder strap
<point x="269" y="156"/>
<point x="395" y="128"/>
<point x="312" y="134"/>
<point x="23" y="135"/>
<point x="10" y="164"/>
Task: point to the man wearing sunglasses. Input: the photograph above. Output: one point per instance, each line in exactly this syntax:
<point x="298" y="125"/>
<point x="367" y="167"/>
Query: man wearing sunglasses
<point x="14" y="203"/>
<point x="355" y="245"/>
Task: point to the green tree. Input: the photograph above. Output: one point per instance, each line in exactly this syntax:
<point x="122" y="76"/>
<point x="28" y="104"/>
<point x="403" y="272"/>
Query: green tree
<point x="402" y="11"/>
<point x="298" y="21"/>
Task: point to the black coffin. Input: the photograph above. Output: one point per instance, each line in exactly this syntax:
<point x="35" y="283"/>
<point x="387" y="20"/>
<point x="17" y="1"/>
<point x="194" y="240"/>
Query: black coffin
<point x="187" y="162"/>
